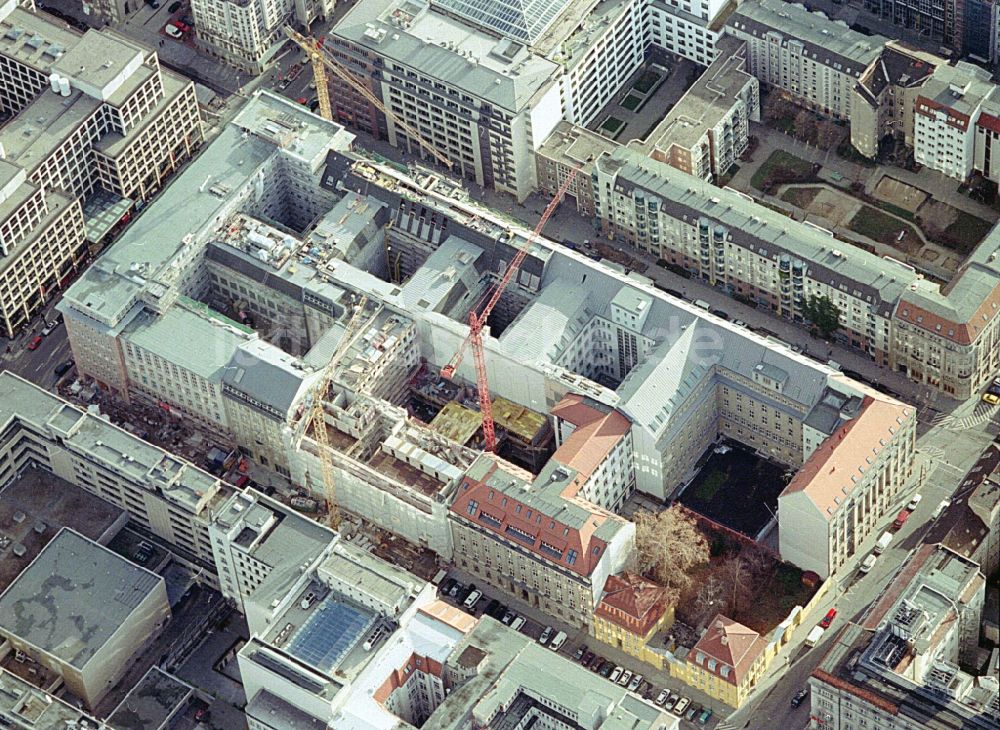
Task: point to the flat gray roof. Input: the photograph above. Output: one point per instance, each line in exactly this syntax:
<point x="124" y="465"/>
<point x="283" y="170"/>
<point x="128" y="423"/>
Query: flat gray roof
<point x="151" y="703"/>
<point x="73" y="597"/>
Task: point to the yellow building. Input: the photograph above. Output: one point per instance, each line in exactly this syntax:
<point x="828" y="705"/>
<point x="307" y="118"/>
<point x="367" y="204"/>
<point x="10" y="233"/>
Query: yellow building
<point x="726" y="662"/>
<point x="631" y="611"/>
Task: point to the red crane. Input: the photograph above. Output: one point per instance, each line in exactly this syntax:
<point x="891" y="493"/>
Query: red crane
<point x="477" y="320"/>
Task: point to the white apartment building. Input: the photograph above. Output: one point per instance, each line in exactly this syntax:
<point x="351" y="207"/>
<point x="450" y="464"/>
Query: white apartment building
<point x="813" y="60"/>
<point x="899" y="668"/>
<point x="945" y="115"/>
<point x="164" y="495"/>
<point x="689" y="28"/>
<point x="498" y="86"/>
<point x="708" y="129"/>
<point x="119" y="125"/>
<point x="832" y="505"/>
<point x="249" y="34"/>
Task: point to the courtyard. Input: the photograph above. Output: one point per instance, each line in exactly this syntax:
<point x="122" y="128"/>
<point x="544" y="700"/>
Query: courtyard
<point x="736" y="488"/>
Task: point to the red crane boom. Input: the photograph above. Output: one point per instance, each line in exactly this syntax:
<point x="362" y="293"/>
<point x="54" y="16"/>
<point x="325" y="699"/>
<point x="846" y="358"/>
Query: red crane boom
<point x="477" y="320"/>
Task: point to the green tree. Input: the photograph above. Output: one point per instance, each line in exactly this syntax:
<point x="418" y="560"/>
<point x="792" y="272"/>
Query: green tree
<point x="823" y="313"/>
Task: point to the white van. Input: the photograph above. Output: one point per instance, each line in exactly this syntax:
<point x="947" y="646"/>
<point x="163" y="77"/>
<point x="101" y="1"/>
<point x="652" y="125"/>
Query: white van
<point x="942" y="506"/>
<point x="702" y="304"/>
<point x="557" y="642"/>
<point x="517" y="623"/>
<point x="883" y="543"/>
<point x="867" y="564"/>
<point x="472" y="599"/>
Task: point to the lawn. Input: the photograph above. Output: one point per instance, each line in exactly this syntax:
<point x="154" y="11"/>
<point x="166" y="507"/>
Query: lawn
<point x="631" y="102"/>
<point x="966" y="231"/>
<point x="782" y="167"/>
<point x="647" y="82"/>
<point x="800" y="197"/>
<point x="874" y="224"/>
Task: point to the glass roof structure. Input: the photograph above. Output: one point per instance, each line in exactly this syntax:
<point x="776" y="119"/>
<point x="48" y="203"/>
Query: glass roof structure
<point x="333" y="629"/>
<point x="522" y="20"/>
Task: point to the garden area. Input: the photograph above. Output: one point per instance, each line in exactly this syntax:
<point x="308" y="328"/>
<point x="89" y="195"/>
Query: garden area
<point x="782" y="168"/>
<point x="708" y="571"/>
<point x="881" y="227"/>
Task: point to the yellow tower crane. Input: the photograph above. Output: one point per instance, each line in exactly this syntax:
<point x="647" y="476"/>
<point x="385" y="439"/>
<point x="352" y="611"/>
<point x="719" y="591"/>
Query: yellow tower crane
<point x="317" y="411"/>
<point x="321" y="60"/>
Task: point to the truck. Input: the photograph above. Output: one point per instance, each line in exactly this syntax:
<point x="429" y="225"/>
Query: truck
<point x="883" y="543"/>
<point x="901" y="518"/>
<point x="814" y="636"/>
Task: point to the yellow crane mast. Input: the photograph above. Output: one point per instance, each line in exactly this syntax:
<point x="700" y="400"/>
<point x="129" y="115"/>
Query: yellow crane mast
<point x="322" y="59"/>
<point x="316" y="411"/>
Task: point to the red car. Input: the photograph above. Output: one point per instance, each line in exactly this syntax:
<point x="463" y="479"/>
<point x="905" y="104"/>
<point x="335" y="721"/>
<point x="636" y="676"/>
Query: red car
<point x="302" y="100"/>
<point x="828" y="619"/>
<point x="181" y="26"/>
<point x="35" y="342"/>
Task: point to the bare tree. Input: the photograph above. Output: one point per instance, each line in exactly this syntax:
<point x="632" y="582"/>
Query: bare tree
<point x="738" y="576"/>
<point x="668" y="545"/>
<point x="827" y="135"/>
<point x="806" y="126"/>
<point x="712" y="598"/>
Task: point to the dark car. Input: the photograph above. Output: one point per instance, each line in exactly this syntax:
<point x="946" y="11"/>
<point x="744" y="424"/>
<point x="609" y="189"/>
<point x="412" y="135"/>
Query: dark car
<point x="588" y="657"/>
<point x="595" y="663"/>
<point x="175" y="6"/>
<point x="63" y="367"/>
<point x="605" y="669"/>
<point x="491" y="607"/>
<point x="799" y="697"/>
<point x="719" y="313"/>
<point x="465" y="591"/>
<point x="674" y="293"/>
<point x="448" y="585"/>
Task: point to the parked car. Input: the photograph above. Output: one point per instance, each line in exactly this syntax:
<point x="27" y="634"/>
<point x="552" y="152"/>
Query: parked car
<point x="63" y="368"/>
<point x="901" y="519"/>
<point x="867" y="564"/>
<point x="472" y="599"/>
<point x="720" y="314"/>
<point x="491" y="606"/>
<point x="546" y="635"/>
<point x="153" y="4"/>
<point x="595" y="663"/>
<point x="606" y="669"/>
<point x="173" y="31"/>
<point x="456" y="587"/>
<point x="465" y="591"/>
<point x="692" y="711"/>
<point x="661" y="698"/>
<point x="558" y="641"/>
<point x="625" y="678"/>
<point x="671" y="701"/>
<point x="507" y="618"/>
<point x="634" y="684"/>
<point x="616" y="674"/>
<point x="517" y="623"/>
<point x="681" y="706"/>
<point x="914" y="502"/>
<point x="578" y="654"/>
<point x="799" y="697"/>
<point x="182" y="26"/>
<point x="942" y="506"/>
<point x="448" y="585"/>
<point x="174" y="6"/>
<point x="587" y="658"/>
<point x="35" y="342"/>
<point x="302" y="100"/>
<point x="828" y="619"/>
<point x="704" y="716"/>
<point x="739" y="323"/>
<point x="50" y="328"/>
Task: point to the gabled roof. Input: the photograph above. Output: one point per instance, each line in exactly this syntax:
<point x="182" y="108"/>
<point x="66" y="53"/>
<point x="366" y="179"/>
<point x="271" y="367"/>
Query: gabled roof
<point x="841" y="461"/>
<point x="732" y="645"/>
<point x="634" y="596"/>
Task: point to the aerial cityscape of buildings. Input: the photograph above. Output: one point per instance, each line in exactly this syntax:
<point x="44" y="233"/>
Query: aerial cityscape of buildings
<point x="407" y="364"/>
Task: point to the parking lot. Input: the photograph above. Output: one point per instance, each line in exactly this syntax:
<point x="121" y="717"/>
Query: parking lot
<point x="608" y="661"/>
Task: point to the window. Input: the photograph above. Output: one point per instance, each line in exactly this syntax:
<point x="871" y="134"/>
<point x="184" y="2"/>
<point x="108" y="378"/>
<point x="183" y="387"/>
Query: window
<point x="571" y="557"/>
<point x="472" y="507"/>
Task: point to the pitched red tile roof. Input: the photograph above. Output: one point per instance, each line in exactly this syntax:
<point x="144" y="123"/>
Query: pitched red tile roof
<point x="732" y="645"/>
<point x="964" y="333"/>
<point x="596" y="434"/>
<point x="632" y="602"/>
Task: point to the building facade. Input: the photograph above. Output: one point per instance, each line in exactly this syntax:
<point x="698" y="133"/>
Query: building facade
<point x="631" y="612"/>
<point x="727" y="661"/>
<point x="812" y="60"/>
<point x="79" y="128"/>
<point x="554" y="558"/>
